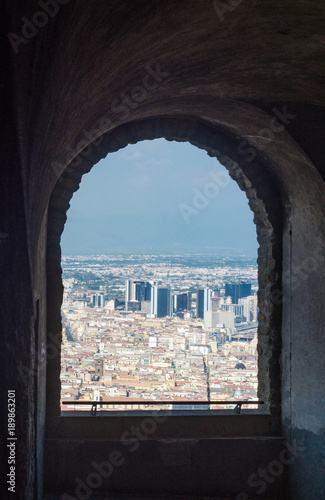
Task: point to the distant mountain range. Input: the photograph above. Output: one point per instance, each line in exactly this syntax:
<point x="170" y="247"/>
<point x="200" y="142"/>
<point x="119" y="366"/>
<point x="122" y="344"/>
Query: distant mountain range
<point x="160" y="233"/>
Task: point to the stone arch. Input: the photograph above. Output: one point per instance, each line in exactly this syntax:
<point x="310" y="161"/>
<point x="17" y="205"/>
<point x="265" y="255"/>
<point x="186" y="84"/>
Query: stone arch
<point x="265" y="199"/>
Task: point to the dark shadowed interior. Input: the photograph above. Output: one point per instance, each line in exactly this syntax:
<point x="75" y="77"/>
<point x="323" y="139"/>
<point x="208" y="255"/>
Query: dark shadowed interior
<point x="243" y="81"/>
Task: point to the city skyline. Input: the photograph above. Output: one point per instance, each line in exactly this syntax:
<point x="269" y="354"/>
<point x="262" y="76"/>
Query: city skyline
<point x="158" y="328"/>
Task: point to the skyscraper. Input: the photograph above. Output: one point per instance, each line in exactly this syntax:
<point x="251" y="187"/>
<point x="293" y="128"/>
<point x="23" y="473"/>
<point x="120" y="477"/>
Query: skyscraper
<point x="137" y="291"/>
<point x="203" y="300"/>
<point x="237" y="291"/>
<point x="98" y="299"/>
<point x="147" y="291"/>
<point x="182" y="302"/>
<point x="129" y="291"/>
<point x="250" y="309"/>
<point x="161" y="301"/>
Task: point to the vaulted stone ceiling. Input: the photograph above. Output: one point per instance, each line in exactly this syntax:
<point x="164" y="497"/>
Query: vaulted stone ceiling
<point x="229" y="62"/>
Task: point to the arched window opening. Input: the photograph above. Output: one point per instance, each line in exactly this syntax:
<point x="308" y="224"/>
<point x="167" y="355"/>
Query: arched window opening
<point x="264" y="196"/>
<point x="160" y="277"/>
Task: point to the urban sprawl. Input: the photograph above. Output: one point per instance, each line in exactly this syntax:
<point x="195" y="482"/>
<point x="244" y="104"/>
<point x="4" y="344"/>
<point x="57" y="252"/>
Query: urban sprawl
<point x="158" y="328"/>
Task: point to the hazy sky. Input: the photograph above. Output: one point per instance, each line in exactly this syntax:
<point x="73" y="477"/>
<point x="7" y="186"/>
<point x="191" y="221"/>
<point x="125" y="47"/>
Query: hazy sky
<point x="159" y="197"/>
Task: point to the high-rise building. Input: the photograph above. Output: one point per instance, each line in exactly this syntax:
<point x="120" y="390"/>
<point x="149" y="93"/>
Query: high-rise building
<point x="237" y="309"/>
<point x="129" y="294"/>
<point x="161" y="301"/>
<point x="147" y="291"/>
<point x="182" y="302"/>
<point x="250" y="310"/>
<point x="216" y="303"/>
<point x="203" y="301"/>
<point x="218" y="319"/>
<point x="98" y="299"/>
<point x="136" y="290"/>
<point x="139" y="290"/>
<point x="237" y="291"/>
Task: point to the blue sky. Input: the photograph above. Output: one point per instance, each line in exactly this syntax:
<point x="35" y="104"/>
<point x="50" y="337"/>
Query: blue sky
<point x="159" y="197"/>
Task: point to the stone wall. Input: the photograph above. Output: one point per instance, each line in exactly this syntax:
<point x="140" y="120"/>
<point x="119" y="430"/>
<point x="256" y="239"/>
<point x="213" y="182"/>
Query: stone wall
<point x="251" y="77"/>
